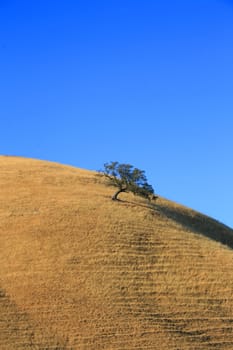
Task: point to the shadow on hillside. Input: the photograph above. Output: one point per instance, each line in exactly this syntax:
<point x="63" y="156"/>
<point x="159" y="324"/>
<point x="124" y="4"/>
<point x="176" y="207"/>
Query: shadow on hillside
<point x="199" y="223"/>
<point x="192" y="220"/>
<point x="134" y="204"/>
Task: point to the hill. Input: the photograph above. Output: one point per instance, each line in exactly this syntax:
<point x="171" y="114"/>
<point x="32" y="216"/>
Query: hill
<point x="79" y="271"/>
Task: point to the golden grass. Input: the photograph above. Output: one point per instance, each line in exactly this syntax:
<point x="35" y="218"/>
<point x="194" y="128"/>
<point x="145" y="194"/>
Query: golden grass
<point x="79" y="271"/>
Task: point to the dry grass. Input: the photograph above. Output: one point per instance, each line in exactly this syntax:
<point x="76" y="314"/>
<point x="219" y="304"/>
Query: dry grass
<point x="79" y="271"/>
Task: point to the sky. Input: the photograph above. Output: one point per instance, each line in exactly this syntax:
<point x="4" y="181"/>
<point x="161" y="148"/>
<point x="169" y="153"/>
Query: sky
<point x="149" y="83"/>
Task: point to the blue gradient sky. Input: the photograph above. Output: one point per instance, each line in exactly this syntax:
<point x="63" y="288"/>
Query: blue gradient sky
<point x="145" y="82"/>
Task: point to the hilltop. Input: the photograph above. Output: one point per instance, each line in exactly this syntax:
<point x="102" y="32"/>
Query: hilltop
<point x="80" y="271"/>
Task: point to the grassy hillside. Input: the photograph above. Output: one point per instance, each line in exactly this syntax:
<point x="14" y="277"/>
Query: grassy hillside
<point x="79" y="271"/>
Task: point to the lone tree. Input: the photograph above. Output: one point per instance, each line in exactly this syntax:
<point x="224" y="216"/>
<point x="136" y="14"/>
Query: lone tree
<point x="127" y="178"/>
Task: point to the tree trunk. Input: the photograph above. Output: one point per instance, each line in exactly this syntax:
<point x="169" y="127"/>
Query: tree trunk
<point x="114" y="197"/>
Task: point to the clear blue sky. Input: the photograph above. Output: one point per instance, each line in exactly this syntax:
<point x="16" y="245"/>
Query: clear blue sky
<point x="149" y="82"/>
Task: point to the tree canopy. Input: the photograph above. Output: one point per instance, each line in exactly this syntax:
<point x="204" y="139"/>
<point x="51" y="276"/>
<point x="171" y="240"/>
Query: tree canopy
<point x="127" y="178"/>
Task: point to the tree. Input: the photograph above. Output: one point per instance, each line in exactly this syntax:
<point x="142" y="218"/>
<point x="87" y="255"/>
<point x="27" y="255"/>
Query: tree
<point x="127" y="178"/>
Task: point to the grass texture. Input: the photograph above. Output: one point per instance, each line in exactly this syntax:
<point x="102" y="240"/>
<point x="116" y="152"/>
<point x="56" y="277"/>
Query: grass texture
<point x="80" y="271"/>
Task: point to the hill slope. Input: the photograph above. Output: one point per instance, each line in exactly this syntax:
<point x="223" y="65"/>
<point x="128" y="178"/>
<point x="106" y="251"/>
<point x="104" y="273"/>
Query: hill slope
<point x="79" y="271"/>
